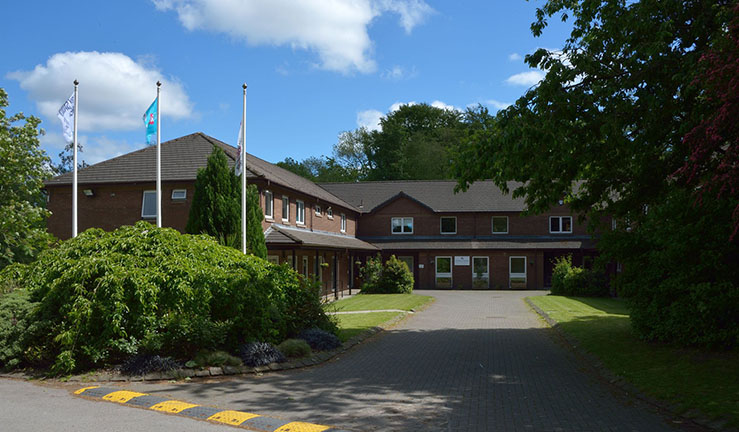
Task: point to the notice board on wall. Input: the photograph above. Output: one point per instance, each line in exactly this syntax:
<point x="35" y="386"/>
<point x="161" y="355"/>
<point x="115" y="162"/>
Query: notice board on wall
<point x="461" y="260"/>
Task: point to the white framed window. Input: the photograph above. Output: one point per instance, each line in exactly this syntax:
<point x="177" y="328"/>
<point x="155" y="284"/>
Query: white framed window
<point x="149" y="204"/>
<point x="299" y="212"/>
<point x="330" y="213"/>
<point x="517" y="272"/>
<point x="269" y="205"/>
<point x="401" y="225"/>
<point x="448" y="224"/>
<point x="443" y="272"/>
<point x="305" y="266"/>
<point x="285" y="208"/>
<point x="560" y="224"/>
<point x="318" y="210"/>
<point x="500" y="224"/>
<point x="179" y="194"/>
<point x="343" y="222"/>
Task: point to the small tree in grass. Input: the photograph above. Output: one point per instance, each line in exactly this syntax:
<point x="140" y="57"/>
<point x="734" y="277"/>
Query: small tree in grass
<point x="216" y="207"/>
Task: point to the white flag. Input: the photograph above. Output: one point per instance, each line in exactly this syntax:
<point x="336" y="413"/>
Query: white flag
<point x="66" y="115"/>
<point x="239" y="149"/>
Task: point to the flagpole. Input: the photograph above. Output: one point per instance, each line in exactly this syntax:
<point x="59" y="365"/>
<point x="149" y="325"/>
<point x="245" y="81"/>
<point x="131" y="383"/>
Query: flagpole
<point x="243" y="176"/>
<point x="74" y="176"/>
<point x="159" y="158"/>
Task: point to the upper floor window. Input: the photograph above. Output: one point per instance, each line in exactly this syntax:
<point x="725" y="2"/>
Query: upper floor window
<point x="318" y="209"/>
<point x="299" y="212"/>
<point x="402" y="225"/>
<point x="330" y="213"/>
<point x="285" y="208"/>
<point x="560" y="224"/>
<point x="269" y="205"/>
<point x="500" y="224"/>
<point x="179" y="194"/>
<point x="149" y="204"/>
<point x="343" y="222"/>
<point x="448" y="224"/>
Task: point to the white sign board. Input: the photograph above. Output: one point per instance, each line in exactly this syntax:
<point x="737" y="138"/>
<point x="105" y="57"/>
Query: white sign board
<point x="461" y="260"/>
<point x="420" y="266"/>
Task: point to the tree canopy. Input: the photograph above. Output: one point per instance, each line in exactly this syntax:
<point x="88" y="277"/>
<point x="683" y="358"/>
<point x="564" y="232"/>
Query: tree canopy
<point x="24" y="168"/>
<point x="412" y="144"/>
<point x="632" y="119"/>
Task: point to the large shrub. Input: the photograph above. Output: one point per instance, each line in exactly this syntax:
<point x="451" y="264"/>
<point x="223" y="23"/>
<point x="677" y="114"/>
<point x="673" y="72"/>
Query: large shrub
<point x="102" y="297"/>
<point x="570" y="280"/>
<point x="392" y="278"/>
<point x="14" y="310"/>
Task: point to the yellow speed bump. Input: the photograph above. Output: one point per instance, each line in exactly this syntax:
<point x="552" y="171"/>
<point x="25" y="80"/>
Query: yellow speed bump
<point x="234" y="418"/>
<point x="302" y="427"/>
<point x="80" y="391"/>
<point x="122" y="396"/>
<point x="172" y="406"/>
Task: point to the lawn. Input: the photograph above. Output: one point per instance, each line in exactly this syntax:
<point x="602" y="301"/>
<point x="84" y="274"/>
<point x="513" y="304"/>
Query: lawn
<point x="363" y="302"/>
<point x="687" y="378"/>
<point x="352" y="324"/>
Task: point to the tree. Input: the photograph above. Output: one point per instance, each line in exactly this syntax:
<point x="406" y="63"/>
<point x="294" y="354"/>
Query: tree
<point x="22" y="202"/>
<point x="216" y="206"/>
<point x="605" y="131"/>
<point x="66" y="160"/>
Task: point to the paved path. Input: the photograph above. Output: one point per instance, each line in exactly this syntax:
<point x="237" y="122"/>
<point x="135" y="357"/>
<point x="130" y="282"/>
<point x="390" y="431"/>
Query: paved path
<point x="473" y="361"/>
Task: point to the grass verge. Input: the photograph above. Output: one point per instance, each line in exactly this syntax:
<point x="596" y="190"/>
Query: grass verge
<point x="689" y="379"/>
<point x="363" y="302"/>
<point x="352" y="324"/>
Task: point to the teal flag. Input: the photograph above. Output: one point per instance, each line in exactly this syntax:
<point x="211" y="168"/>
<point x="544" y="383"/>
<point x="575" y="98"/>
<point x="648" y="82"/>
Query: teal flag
<point x="150" y="120"/>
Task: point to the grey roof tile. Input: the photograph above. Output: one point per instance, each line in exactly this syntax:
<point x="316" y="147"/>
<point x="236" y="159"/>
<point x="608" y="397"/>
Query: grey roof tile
<point x="438" y="195"/>
<point x="278" y="234"/>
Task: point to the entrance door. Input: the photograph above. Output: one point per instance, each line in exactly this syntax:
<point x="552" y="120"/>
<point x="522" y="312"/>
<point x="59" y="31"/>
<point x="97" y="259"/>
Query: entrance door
<point x="517" y="272"/>
<point x="480" y="273"/>
<point x="444" y="272"/>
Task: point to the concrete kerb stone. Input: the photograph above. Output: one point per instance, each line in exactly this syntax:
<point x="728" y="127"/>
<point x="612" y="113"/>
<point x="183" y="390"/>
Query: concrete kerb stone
<point x="606" y="375"/>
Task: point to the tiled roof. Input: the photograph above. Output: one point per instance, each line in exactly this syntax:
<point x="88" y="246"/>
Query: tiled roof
<point x="280" y="235"/>
<point x="181" y="159"/>
<point x="485" y="244"/>
<point x="438" y="195"/>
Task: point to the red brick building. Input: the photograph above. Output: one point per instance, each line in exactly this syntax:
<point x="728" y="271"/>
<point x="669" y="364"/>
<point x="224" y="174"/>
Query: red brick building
<point x="476" y="239"/>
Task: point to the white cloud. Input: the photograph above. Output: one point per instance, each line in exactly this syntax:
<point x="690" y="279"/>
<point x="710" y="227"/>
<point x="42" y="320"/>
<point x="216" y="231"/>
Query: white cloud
<point x="514" y="57"/>
<point x="397" y="73"/>
<point x="442" y="105"/>
<point x="497" y="104"/>
<point x="369" y="119"/>
<point x="114" y="90"/>
<point x="335" y="29"/>
<point x="103" y="148"/>
<point x="526" y="78"/>
<point x="396" y="106"/>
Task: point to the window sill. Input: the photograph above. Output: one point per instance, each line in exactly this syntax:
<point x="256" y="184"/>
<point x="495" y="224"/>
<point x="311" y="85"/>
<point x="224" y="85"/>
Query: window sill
<point x="448" y="233"/>
<point x="302" y="225"/>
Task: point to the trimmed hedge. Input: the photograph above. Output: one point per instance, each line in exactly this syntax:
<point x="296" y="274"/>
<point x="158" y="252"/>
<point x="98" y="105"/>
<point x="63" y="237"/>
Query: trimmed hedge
<point x="103" y="296"/>
<point x="392" y="278"/>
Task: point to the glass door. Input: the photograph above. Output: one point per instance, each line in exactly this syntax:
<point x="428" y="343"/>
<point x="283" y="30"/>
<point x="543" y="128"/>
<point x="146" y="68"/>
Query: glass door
<point x="517" y="274"/>
<point x="480" y="273"/>
<point x="444" y="272"/>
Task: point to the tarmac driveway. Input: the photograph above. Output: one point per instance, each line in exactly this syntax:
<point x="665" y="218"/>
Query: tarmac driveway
<point x="473" y="361"/>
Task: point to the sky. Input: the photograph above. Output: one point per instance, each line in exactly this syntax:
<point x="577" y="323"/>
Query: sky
<point x="314" y="68"/>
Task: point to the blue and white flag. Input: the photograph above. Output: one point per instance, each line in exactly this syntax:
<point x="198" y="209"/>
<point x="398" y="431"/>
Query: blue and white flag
<point x="239" y="149"/>
<point x="66" y="115"/>
<point x="150" y="120"/>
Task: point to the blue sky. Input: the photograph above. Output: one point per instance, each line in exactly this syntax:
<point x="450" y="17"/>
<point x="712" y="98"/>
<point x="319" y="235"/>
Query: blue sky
<point x="315" y="68"/>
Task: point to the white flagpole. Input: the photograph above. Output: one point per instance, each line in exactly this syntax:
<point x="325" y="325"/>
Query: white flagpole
<point x="74" y="179"/>
<point x="243" y="176"/>
<point x="159" y="157"/>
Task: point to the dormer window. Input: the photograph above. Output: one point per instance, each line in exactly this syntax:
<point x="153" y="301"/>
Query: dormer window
<point x="401" y="225"/>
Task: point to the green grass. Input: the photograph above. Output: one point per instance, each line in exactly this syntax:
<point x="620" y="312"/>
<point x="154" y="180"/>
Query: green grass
<point x="352" y="324"/>
<point x="687" y="378"/>
<point x="361" y="302"/>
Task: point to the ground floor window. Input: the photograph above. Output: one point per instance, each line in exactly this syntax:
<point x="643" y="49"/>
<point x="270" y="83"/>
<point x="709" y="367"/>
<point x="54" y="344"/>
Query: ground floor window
<point x="305" y="267"/>
<point x="444" y="272"/>
<point x="408" y="260"/>
<point x="480" y="272"/>
<point x="274" y="259"/>
<point x="517" y="272"/>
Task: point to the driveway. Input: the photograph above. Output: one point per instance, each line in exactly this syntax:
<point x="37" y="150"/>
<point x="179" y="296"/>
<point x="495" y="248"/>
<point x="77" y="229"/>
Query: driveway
<point x="473" y="361"/>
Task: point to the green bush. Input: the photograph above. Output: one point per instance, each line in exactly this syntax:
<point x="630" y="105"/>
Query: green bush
<point x="393" y="278"/>
<point x="11" y="277"/>
<point x="295" y="348"/>
<point x="570" y="280"/>
<point x="14" y="310"/>
<point x="214" y="358"/>
<point x="102" y="297"/>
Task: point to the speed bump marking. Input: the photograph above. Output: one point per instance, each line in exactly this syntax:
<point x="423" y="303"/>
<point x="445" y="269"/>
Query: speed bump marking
<point x="228" y="417"/>
<point x="234" y="418"/>
<point x="122" y="396"/>
<point x="172" y="406"/>
<point x="302" y="427"/>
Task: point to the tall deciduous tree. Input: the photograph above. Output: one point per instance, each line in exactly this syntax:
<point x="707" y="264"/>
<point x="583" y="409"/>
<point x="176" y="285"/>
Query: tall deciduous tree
<point x="22" y="172"/>
<point x="605" y="131"/>
<point x="216" y="206"/>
